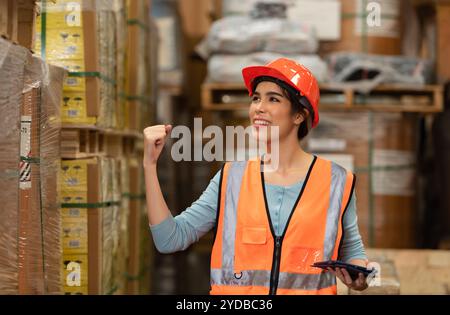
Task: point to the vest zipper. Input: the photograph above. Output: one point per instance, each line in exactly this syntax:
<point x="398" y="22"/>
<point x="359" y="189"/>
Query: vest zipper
<point x="275" y="273"/>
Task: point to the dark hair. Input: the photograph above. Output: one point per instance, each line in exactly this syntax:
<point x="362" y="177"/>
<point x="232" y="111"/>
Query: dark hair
<point x="299" y="103"/>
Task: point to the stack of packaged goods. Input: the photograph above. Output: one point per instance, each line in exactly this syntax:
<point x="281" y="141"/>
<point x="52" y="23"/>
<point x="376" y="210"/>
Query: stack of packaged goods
<point x="30" y="250"/>
<point x="91" y="225"/>
<point x="257" y="33"/>
<point x="74" y="213"/>
<point x="65" y="33"/>
<point x="383" y="156"/>
<point x="140" y="253"/>
<point x="121" y="51"/>
<point x="141" y="65"/>
<point x="262" y="35"/>
<point x="17" y="21"/>
<point x="123" y="252"/>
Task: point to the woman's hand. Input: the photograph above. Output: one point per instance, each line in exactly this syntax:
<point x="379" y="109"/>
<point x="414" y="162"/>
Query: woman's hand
<point x="359" y="284"/>
<point x="154" y="140"/>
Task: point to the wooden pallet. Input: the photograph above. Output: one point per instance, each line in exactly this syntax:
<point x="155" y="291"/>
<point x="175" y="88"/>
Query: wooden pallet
<point x="89" y="141"/>
<point x="385" y="98"/>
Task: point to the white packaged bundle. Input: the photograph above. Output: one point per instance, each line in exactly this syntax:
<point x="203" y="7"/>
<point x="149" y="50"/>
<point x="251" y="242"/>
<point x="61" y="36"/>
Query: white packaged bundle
<point x="228" y="68"/>
<point x="364" y="72"/>
<point x="242" y="35"/>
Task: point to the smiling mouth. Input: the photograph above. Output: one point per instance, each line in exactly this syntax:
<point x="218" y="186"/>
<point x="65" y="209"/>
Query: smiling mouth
<point x="259" y="122"/>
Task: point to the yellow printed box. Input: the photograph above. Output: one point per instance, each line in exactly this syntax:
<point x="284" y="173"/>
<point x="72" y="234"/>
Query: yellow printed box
<point x="75" y="271"/>
<point x="74" y="108"/>
<point x="74" y="198"/>
<point x="61" y="16"/>
<point x="74" y="175"/>
<point x="64" y="43"/>
<point x="74" y="236"/>
<point x="73" y="83"/>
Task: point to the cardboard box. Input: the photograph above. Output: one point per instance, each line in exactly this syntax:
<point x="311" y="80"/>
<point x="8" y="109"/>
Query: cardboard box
<point x="71" y="28"/>
<point x="134" y="263"/>
<point x="74" y="236"/>
<point x="357" y="35"/>
<point x="74" y="174"/>
<point x="29" y="190"/>
<point x="17" y="19"/>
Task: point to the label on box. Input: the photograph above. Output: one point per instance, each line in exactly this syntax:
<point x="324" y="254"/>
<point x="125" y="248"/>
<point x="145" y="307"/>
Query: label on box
<point x="393" y="173"/>
<point x="327" y="144"/>
<point x="382" y="19"/>
<point x="62" y="43"/>
<point x="25" y="151"/>
<point x="74" y="175"/>
<point x="74" y="108"/>
<point x="74" y="236"/>
<point x="73" y="197"/>
<point x="63" y="19"/>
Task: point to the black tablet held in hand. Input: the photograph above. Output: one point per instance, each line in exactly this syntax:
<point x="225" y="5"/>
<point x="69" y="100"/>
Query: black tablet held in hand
<point x="353" y="270"/>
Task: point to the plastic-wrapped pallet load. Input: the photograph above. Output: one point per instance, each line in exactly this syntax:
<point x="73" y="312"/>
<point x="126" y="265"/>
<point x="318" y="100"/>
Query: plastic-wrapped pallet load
<point x="382" y="154"/>
<point x="241" y="35"/>
<point x="364" y="72"/>
<point x="30" y="243"/>
<point x="228" y="68"/>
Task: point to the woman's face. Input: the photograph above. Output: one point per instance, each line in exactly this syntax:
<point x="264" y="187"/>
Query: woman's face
<point x="270" y="107"/>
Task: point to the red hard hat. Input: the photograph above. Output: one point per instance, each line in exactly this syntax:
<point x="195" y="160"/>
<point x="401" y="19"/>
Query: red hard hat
<point x="291" y="72"/>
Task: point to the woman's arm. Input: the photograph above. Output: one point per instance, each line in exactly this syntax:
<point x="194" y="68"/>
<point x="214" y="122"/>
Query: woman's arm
<point x="352" y="249"/>
<point x="154" y="140"/>
<point x="175" y="234"/>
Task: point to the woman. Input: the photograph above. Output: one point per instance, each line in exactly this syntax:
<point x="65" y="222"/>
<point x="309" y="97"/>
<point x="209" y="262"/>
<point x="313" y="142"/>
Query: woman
<point x="271" y="226"/>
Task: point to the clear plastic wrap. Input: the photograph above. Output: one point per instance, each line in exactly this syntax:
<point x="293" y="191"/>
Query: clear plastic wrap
<point x="242" y="35"/>
<point x="30" y="230"/>
<point x="12" y="62"/>
<point x="365" y="72"/>
<point x="228" y="68"/>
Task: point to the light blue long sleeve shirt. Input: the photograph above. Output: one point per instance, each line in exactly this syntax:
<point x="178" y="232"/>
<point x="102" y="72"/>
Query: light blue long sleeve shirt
<point x="175" y="234"/>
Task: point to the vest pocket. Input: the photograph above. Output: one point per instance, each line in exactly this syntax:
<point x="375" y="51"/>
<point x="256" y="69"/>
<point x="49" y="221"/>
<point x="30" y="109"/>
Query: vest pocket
<point x="254" y="235"/>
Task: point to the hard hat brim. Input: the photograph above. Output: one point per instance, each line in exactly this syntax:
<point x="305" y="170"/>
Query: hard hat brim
<point x="251" y="73"/>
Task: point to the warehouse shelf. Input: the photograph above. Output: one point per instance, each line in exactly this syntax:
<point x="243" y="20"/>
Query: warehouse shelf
<point x="83" y="141"/>
<point x="384" y="98"/>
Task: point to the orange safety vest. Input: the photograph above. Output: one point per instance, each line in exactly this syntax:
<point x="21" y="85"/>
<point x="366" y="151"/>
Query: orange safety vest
<point x="247" y="256"/>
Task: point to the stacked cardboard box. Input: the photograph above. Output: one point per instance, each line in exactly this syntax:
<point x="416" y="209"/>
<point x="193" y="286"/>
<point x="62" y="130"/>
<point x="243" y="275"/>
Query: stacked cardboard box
<point x="66" y="31"/>
<point x="141" y="65"/>
<point x="92" y="233"/>
<point x="17" y="21"/>
<point x="74" y="190"/>
<point x="30" y="255"/>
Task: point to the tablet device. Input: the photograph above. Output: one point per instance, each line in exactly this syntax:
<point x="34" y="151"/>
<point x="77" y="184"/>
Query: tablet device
<point x="353" y="270"/>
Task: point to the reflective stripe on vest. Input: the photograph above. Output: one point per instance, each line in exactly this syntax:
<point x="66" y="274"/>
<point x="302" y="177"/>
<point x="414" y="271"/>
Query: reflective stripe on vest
<point x="235" y="228"/>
